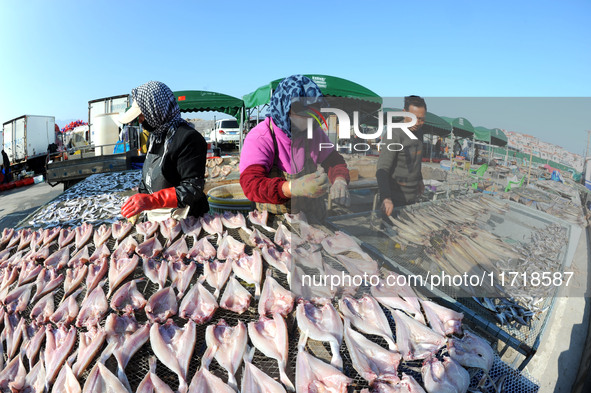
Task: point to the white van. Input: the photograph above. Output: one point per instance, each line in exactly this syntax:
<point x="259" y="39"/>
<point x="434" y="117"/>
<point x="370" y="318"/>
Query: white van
<point x="226" y="131"/>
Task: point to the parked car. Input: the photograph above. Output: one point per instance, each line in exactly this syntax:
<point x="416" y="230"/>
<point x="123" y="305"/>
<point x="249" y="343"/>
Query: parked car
<point x="226" y="131"/>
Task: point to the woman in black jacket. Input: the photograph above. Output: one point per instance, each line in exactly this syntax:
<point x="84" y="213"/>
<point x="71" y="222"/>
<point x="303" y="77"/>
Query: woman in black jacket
<point x="173" y="176"/>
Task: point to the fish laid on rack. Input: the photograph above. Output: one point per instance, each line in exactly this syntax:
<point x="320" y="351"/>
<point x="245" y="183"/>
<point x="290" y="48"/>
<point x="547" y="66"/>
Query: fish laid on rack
<point x="314" y="375"/>
<point x="446" y="376"/>
<point x="370" y="360"/>
<point x="101" y="235"/>
<point x="174" y="347"/>
<point x="216" y="274"/>
<point x="58" y="345"/>
<point x="180" y="275"/>
<point x="279" y="260"/>
<point x="120" y="229"/>
<point x="368" y="317"/>
<point x="74" y="277"/>
<point x="83" y="234"/>
<point x="119" y="270"/>
<point x="161" y="305"/>
<point x="415" y="340"/>
<point x="150" y="248"/>
<point x="43" y="309"/>
<point x="270" y="337"/>
<point x="126" y="337"/>
<point x="191" y="226"/>
<point x="96" y="272"/>
<point x="89" y="345"/>
<point x="127" y="298"/>
<point x="156" y="271"/>
<point x="399" y="297"/>
<point x="12" y="333"/>
<point x="151" y="382"/>
<point x="230" y="342"/>
<point x="274" y="298"/>
<point x="67" y="311"/>
<point x="249" y="268"/>
<point x="256" y="381"/>
<point x="212" y="224"/>
<point x="230" y="248"/>
<point x="101" y="379"/>
<point x="93" y="308"/>
<point x="341" y="243"/>
<point x="233" y="220"/>
<point x="235" y="297"/>
<point x="407" y="384"/>
<point x="177" y="250"/>
<point x="12" y="377"/>
<point x="66" y="237"/>
<point x="260" y="218"/>
<point x="80" y="258"/>
<point x="33" y="336"/>
<point x="147" y="229"/>
<point x="471" y="351"/>
<point x="204" y="381"/>
<point x="198" y="304"/>
<point x="322" y="323"/>
<point x="441" y="319"/>
<point x="35" y="379"/>
<point x="18" y="299"/>
<point x="66" y="381"/>
<point x="202" y="250"/>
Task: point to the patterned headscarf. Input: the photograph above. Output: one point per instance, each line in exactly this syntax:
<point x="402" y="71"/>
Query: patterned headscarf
<point x="159" y="107"/>
<point x="291" y="87"/>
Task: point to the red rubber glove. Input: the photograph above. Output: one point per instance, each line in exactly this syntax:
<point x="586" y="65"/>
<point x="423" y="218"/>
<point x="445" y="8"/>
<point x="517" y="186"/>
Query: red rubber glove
<point x="137" y="203"/>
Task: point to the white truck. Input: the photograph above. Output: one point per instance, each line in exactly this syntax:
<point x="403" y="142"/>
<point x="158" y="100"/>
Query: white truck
<point x="27" y="137"/>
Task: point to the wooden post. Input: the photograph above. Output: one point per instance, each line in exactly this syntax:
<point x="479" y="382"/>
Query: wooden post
<point x="529" y="170"/>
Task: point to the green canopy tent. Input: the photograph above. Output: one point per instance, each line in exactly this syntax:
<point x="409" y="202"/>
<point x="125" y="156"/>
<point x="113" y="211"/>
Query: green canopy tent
<point x="498" y="137"/>
<point x="198" y="100"/>
<point x="331" y="86"/>
<point x="462" y="128"/>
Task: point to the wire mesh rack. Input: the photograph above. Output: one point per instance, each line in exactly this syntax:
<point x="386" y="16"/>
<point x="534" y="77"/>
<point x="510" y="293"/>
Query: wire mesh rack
<point x="516" y="226"/>
<point x="138" y="365"/>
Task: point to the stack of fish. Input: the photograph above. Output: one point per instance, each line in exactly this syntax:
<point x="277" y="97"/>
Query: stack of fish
<point x="453" y="238"/>
<point x="215" y="168"/>
<point x="95" y="200"/>
<point x="65" y="343"/>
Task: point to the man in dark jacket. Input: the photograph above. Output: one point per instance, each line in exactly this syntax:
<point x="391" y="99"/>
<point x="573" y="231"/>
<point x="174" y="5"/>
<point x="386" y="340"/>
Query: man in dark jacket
<point x="399" y="177"/>
<point x="173" y="175"/>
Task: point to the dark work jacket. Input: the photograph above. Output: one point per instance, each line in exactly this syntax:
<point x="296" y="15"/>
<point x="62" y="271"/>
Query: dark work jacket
<point x="183" y="167"/>
<point x="399" y="173"/>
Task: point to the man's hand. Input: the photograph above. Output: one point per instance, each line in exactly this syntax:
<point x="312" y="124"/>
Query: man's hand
<point x="313" y="185"/>
<point x="339" y="192"/>
<point x="387" y="207"/>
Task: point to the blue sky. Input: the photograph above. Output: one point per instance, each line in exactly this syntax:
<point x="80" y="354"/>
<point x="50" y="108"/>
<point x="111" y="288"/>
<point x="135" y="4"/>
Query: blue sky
<point x="57" y="55"/>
